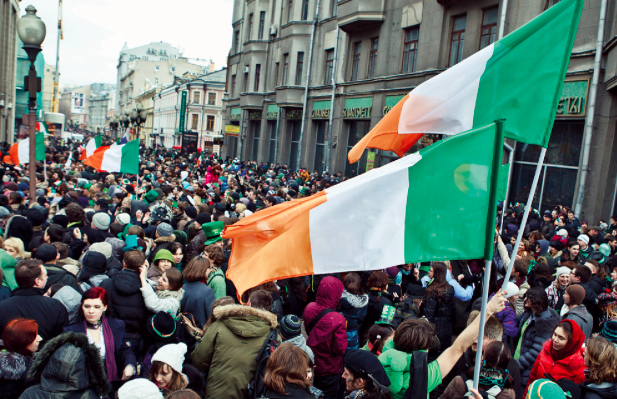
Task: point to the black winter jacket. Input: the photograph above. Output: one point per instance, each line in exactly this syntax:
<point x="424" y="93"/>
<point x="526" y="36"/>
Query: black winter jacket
<point x="13" y="369"/>
<point x="605" y="391"/>
<point x="57" y="275"/>
<point x="126" y="302"/>
<point x="442" y="313"/>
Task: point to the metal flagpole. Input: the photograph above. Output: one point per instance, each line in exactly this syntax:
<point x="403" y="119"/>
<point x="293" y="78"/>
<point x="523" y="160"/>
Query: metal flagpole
<point x="485" y="284"/>
<point x="521" y="229"/>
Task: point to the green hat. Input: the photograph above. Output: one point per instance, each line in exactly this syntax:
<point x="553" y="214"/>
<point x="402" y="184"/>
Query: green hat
<point x="213" y="231"/>
<point x="304" y="190"/>
<point x="387" y="315"/>
<point x="181" y="237"/>
<point x="163" y="254"/>
<point x="151" y="196"/>
<point x="544" y="388"/>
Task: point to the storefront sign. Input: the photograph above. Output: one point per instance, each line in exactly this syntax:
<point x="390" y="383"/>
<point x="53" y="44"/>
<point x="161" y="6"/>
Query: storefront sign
<point x="370" y="160"/>
<point x="255" y="115"/>
<point x="295" y="113"/>
<point x="321" y="110"/>
<point x="182" y="123"/>
<point x="189" y="142"/>
<point x="358" y="108"/>
<point x="391" y="101"/>
<point x="232" y="130"/>
<point x="273" y="112"/>
<point x="573" y="100"/>
<point x="235" y="114"/>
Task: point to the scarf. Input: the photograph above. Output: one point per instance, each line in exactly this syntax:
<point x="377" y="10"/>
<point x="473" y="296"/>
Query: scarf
<point x="399" y="276"/>
<point x="110" y="349"/>
<point x="574" y="344"/>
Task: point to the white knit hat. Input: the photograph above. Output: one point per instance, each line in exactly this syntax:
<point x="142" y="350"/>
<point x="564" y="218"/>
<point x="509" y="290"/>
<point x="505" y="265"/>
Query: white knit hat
<point x="562" y="233"/>
<point x="123" y="218"/>
<point x="583" y="238"/>
<point x="172" y="355"/>
<point x="511" y="289"/>
<point x="138" y="389"/>
<point x="102" y="248"/>
<point x="562" y="270"/>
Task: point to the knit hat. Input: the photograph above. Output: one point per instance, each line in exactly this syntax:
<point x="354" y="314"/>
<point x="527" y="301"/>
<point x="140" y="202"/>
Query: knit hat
<point x="62" y="220"/>
<point x="40" y="192"/>
<point x="151" y="196"/>
<point x="101" y="220"/>
<point x="163" y="254"/>
<point x="562" y="270"/>
<point x="576" y="294"/>
<point x="605" y="300"/>
<point x="544" y="388"/>
<point x="562" y="232"/>
<point x="102" y="248"/>
<point x="512" y="289"/>
<point x="164" y="230"/>
<point x="366" y="365"/>
<point x="291" y="326"/>
<point x="583" y="238"/>
<point x="203" y="218"/>
<point x="35" y="216"/>
<point x="191" y="212"/>
<point x="140" y="388"/>
<point x="23" y="187"/>
<point x="181" y="237"/>
<point x="172" y="355"/>
<point x="123" y="218"/>
<point x="609" y="331"/>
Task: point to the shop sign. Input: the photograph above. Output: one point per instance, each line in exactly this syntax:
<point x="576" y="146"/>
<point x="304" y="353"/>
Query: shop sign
<point x="182" y="122"/>
<point x="370" y="160"/>
<point x="232" y="130"/>
<point x="321" y="110"/>
<point x="358" y="108"/>
<point x="391" y="101"/>
<point x="294" y="113"/>
<point x="573" y="100"/>
<point x="273" y="112"/>
<point x="255" y="115"/>
<point x="235" y="114"/>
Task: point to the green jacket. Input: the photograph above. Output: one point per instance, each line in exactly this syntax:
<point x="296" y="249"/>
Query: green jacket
<point x="8" y="263"/>
<point x="218" y="285"/>
<point x="227" y="352"/>
<point x="396" y="364"/>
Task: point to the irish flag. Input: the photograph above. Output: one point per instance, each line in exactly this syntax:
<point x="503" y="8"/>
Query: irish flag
<point x="437" y="204"/>
<point x="20" y="151"/>
<point x="91" y="147"/>
<point x="117" y="158"/>
<point x="518" y="78"/>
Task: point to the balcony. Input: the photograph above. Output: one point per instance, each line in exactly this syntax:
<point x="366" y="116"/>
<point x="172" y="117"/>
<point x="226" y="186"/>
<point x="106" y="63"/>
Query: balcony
<point x="355" y="15"/>
<point x="251" y="100"/>
<point x="289" y="96"/>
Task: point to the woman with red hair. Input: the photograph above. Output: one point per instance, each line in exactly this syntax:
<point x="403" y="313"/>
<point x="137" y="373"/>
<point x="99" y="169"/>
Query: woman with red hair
<point x="106" y="333"/>
<point x="21" y="339"/>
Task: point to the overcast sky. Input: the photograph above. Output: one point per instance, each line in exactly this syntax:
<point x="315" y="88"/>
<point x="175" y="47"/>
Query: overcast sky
<point x="96" y="30"/>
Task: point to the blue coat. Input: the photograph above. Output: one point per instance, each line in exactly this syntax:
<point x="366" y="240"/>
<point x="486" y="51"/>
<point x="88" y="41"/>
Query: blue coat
<point x="197" y="300"/>
<point x="353" y="308"/>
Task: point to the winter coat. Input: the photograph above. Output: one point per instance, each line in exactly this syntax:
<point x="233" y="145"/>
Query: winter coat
<point x="125" y="300"/>
<point x="29" y="303"/>
<point x="71" y="300"/>
<point x="539" y="330"/>
<point x="162" y="301"/>
<point x="216" y="281"/>
<point x="123" y="353"/>
<point x="93" y="281"/>
<point x="228" y="349"/>
<point x="8" y="264"/>
<point x="300" y="342"/>
<point x="353" y="308"/>
<point x="548" y="229"/>
<point x="376" y="302"/>
<point x="70" y="265"/>
<point x="67" y="367"/>
<point x="57" y="275"/>
<point x="195" y="245"/>
<point x="277" y="305"/>
<point x="606" y="390"/>
<point x="507" y="317"/>
<point x="328" y="339"/>
<point x="571" y="367"/>
<point x="13" y="368"/>
<point x="582" y="317"/>
<point x="458" y="389"/>
<point x="555" y="296"/>
<point x="441" y="312"/>
<point x="197" y="300"/>
<point x="598" y="285"/>
<point x="292" y="391"/>
<point x="396" y="364"/>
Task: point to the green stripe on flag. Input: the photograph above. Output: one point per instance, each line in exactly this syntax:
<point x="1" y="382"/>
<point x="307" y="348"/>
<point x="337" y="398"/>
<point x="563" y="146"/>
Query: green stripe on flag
<point x="97" y="140"/>
<point x="40" y="146"/>
<point x="502" y="186"/>
<point x="130" y="158"/>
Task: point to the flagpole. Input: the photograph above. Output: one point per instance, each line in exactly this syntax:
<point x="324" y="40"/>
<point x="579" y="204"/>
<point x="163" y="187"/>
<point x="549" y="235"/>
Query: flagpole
<point x="485" y="284"/>
<point x="521" y="229"/>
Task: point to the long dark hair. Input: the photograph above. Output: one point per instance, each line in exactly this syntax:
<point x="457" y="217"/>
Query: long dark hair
<point x="439" y="285"/>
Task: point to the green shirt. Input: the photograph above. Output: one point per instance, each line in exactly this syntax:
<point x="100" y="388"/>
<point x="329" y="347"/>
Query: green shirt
<point x="517" y="354"/>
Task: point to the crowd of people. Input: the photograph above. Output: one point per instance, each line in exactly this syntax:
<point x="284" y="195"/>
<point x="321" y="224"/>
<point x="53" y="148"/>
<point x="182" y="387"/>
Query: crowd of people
<point x="115" y="286"/>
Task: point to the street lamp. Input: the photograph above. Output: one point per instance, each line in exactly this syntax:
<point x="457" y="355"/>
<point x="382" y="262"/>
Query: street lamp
<point x="32" y="32"/>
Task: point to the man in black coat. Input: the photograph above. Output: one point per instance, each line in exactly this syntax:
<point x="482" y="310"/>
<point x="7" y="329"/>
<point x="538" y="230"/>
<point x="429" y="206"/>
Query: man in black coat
<point x="28" y="301"/>
<point x="48" y="254"/>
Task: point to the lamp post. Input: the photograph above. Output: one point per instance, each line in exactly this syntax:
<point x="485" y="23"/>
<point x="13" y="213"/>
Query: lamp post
<point x="113" y="124"/>
<point x="32" y="32"/>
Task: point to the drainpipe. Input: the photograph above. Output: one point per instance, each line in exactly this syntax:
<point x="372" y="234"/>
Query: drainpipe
<point x="328" y="137"/>
<point x="593" y="93"/>
<point x="306" y="86"/>
<point x="276" y="142"/>
<point x="240" y="136"/>
<point x="502" y="19"/>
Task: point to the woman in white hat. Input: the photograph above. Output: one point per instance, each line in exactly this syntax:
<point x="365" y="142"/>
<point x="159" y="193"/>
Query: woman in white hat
<point x="170" y="374"/>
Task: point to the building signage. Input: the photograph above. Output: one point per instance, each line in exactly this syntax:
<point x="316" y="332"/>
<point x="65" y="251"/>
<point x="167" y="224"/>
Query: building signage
<point x="255" y="115"/>
<point x="321" y="110"/>
<point x="189" y="142"/>
<point x="391" y="101"/>
<point x="294" y="113"/>
<point x="358" y="108"/>
<point x="232" y="130"/>
<point x="370" y="160"/>
<point x="235" y="114"/>
<point x="573" y="100"/>
<point x="273" y="112"/>
<point x="182" y="123"/>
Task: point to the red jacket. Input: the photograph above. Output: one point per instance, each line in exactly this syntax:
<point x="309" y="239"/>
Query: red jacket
<point x="328" y="340"/>
<point x="571" y="367"/>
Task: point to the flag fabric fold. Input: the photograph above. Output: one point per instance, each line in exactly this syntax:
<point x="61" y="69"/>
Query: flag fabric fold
<point x="518" y="78"/>
<point x="431" y="205"/>
<point x="91" y="147"/>
<point x="116" y="158"/>
<point x="20" y="151"/>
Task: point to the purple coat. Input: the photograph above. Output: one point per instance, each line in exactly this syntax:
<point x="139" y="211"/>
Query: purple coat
<point x="507" y="317"/>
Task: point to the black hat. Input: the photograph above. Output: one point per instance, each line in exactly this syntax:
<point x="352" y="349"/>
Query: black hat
<point x="46" y="253"/>
<point x="103" y="203"/>
<point x="203" y="218"/>
<point x="366" y="365"/>
<point x="162" y="326"/>
<point x="191" y="212"/>
<point x="291" y="326"/>
<point x="35" y="216"/>
<point x="220" y="207"/>
<point x="62" y="220"/>
<point x="558" y="245"/>
<point x="235" y="196"/>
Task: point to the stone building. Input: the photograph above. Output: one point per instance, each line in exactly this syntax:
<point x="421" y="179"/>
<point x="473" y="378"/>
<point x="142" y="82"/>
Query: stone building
<point x="9" y="14"/>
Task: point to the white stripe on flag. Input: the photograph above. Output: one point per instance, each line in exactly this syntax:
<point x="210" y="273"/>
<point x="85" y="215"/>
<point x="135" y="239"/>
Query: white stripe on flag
<point x="112" y="159"/>
<point x="23" y="151"/>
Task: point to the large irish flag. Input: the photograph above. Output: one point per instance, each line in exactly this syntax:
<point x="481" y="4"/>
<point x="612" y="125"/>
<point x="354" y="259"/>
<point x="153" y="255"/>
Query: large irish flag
<point x="91" y="147"/>
<point x="20" y="151"/>
<point x="437" y="204"/>
<point x="518" y="78"/>
<point x="116" y="158"/>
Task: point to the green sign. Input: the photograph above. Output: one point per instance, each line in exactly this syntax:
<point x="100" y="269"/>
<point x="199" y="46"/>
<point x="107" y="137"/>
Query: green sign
<point x="235" y="114"/>
<point x="294" y="113"/>
<point x="273" y="112"/>
<point x="182" y="124"/>
<point x="255" y="115"/>
<point x="321" y="110"/>
<point x="358" y="108"/>
<point x="370" y="160"/>
<point x="391" y="101"/>
<point x="573" y="100"/>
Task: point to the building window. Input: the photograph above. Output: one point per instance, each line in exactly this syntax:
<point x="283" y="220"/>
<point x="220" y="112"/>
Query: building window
<point x="357" y="130"/>
<point x="173" y="69"/>
<point x="156" y="68"/>
<point x="250" y="27"/>
<point x="246" y="82"/>
<point x="257" y="75"/>
<point x="194" y="120"/>
<point x="320" y="145"/>
<point x="211" y="98"/>
<point x="372" y="59"/>
<point x="333" y="8"/>
<point x="233" y="85"/>
<point x="410" y="49"/>
<point x="290" y="7"/>
<point x="285" y="68"/>
<point x="294" y="127"/>
<point x="488" y="32"/>
<point x="256" y="134"/>
<point x="299" y="67"/>
<point x="272" y="149"/>
<point x="237" y="42"/>
<point x="355" y="64"/>
<point x="262" y="25"/>
<point x="305" y="9"/>
<point x="276" y="74"/>
<point x="457" y="39"/>
<point x="145" y="58"/>
<point x="209" y="123"/>
<point x="329" y="66"/>
<point x="196" y="97"/>
<point x="156" y="81"/>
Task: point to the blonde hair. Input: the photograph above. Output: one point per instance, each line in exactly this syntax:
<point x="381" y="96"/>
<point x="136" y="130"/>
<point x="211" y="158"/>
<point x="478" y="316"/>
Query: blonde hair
<point x="17" y="244"/>
<point x="602" y="358"/>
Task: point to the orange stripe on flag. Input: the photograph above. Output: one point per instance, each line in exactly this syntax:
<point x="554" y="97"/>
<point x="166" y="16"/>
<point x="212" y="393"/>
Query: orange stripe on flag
<point x="13" y="152"/>
<point x="95" y="160"/>
<point x="272" y="244"/>
<point x="385" y="136"/>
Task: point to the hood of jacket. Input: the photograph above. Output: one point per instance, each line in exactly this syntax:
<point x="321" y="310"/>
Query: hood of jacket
<point x="13" y="365"/>
<point x="606" y="390"/>
<point x="127" y="282"/>
<point x="161" y="240"/>
<point x="245" y="321"/>
<point x="8" y="263"/>
<point x="138" y="206"/>
<point x="580" y="311"/>
<point x="70" y="298"/>
<point x="116" y="243"/>
<point x="329" y="292"/>
<point x="170" y="294"/>
<point x="356" y="301"/>
<point x="543" y="246"/>
<point x="69" y="363"/>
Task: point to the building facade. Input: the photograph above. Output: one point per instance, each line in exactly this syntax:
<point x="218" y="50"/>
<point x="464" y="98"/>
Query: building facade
<point x="145" y="102"/>
<point x="9" y="14"/>
<point x="363" y="56"/>
<point x="203" y="111"/>
<point x="48" y="87"/>
<point x="99" y="105"/>
<point x="75" y="103"/>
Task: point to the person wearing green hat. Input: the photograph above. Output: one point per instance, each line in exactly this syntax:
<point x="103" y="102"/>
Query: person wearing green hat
<point x="545" y="389"/>
<point x="163" y="261"/>
<point x="213" y="231"/>
<point x="151" y="196"/>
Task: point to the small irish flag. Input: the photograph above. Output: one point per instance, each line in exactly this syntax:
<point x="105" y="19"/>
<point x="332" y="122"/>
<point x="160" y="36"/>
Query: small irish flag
<point x="41" y="127"/>
<point x="20" y="151"/>
<point x="91" y="147"/>
<point x="518" y="78"/>
<point x="116" y="158"/>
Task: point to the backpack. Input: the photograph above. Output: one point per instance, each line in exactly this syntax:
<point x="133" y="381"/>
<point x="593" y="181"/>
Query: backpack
<point x="257" y="387"/>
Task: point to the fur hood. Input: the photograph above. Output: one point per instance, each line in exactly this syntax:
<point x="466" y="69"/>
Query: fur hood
<point x="170" y="294"/>
<point x="69" y="362"/>
<point x="231" y="311"/>
<point x="161" y="240"/>
<point x="357" y="301"/>
<point x="13" y="365"/>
